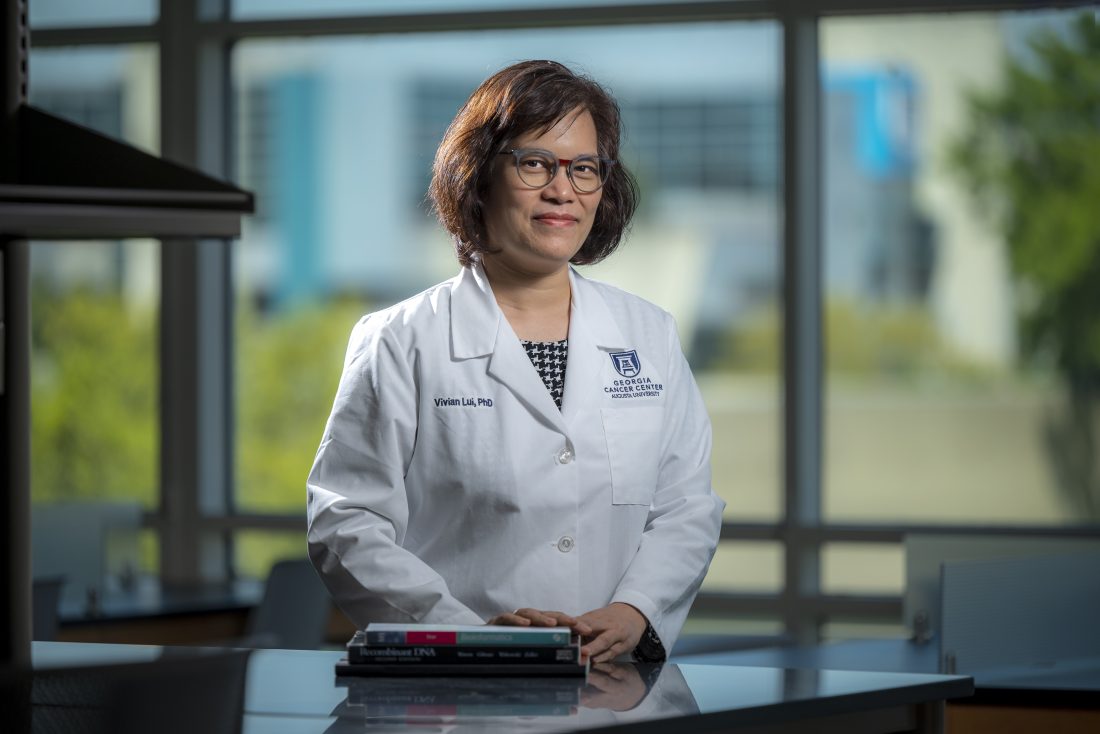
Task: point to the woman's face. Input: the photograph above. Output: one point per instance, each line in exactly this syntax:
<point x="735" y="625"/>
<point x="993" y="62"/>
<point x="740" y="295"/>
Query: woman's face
<point x="538" y="231"/>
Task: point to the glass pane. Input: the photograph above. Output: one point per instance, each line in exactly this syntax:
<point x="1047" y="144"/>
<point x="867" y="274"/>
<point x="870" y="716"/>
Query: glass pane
<point x="962" y="307"/>
<point x="94" y="373"/>
<point x="256" y="551"/>
<point x="746" y="566"/>
<point x="319" y="8"/>
<point x="862" y="568"/>
<point x="68" y="13"/>
<point x="110" y="89"/>
<point x="337" y="233"/>
<point x="94" y="429"/>
<point x="702" y="624"/>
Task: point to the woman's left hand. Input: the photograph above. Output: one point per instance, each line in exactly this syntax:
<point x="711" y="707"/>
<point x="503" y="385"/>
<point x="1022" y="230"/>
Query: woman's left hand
<point x="528" y="617"/>
<point x="616" y="629"/>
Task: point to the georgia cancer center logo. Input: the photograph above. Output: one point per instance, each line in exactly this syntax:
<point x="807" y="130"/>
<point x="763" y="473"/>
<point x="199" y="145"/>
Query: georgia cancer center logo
<point x="626" y="364"/>
<point x="630" y="385"/>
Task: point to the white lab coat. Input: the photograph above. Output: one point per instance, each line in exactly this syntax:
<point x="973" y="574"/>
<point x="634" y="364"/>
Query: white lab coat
<point x="449" y="488"/>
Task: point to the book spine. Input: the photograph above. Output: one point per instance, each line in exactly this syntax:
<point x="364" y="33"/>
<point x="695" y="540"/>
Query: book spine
<point x="427" y="637"/>
<point x="412" y="654"/>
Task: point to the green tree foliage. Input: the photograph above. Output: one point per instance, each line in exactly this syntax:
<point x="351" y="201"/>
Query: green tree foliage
<point x="288" y="366"/>
<point x="94" y="397"/>
<point x="1031" y="157"/>
<point x="898" y="342"/>
<point x="95" y="431"/>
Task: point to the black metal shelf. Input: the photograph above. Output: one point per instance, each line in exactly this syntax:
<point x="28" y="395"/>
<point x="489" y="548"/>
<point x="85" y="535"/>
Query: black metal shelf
<point x="74" y="183"/>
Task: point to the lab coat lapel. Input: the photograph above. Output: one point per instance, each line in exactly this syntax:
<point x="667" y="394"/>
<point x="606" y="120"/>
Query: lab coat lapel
<point x="593" y="335"/>
<point x="475" y="315"/>
<point x="479" y="329"/>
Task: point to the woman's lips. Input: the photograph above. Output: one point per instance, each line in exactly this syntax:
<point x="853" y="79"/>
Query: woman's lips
<point x="556" y="220"/>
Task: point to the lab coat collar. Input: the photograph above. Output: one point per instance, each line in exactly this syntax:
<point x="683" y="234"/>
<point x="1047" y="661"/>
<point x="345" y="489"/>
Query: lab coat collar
<point x="475" y="316"/>
<point x="478" y="328"/>
<point x="593" y="334"/>
<point x="590" y="311"/>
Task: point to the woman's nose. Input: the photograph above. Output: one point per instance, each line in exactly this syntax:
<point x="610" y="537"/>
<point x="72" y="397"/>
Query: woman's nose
<point x="560" y="187"/>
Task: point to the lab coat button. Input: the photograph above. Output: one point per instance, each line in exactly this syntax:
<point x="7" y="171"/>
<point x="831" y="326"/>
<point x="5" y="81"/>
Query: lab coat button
<point x="565" y="544"/>
<point x="565" y="456"/>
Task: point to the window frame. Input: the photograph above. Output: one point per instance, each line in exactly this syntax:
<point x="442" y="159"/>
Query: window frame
<point x="196" y="519"/>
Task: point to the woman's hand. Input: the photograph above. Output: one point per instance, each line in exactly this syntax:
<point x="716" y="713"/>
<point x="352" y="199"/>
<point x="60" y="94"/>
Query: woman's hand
<point x="616" y="629"/>
<point x="527" y="617"/>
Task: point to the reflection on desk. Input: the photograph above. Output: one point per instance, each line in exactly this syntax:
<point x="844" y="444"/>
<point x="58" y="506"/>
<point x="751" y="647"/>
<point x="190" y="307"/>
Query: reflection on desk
<point x="296" y="690"/>
<point x="616" y="687"/>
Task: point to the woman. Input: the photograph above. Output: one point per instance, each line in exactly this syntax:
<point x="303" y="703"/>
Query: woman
<point x="518" y="437"/>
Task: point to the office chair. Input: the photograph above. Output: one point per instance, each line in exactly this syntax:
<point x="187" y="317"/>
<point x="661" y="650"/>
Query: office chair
<point x="101" y="540"/>
<point x="45" y="607"/>
<point x="294" y="611"/>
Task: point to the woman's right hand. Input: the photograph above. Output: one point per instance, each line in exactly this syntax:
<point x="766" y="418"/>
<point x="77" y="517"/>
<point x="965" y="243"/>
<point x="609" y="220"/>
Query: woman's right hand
<point x="527" y="617"/>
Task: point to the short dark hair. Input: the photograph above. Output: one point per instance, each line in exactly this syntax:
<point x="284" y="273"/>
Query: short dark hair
<point x="524" y="97"/>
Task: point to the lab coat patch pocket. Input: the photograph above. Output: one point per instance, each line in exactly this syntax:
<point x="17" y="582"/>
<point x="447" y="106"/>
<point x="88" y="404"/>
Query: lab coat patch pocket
<point x="633" y="448"/>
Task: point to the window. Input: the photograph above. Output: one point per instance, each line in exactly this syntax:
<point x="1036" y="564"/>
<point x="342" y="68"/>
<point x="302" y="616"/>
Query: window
<point x="936" y="413"/>
<point x="939" y="410"/>
<point x="945" y="385"/>
<point x="94" y="377"/>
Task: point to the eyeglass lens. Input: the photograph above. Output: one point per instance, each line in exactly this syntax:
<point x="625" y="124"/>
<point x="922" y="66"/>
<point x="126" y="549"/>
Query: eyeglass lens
<point x="537" y="169"/>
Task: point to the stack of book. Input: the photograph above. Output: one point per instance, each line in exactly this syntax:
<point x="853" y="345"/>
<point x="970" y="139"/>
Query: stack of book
<point x="431" y="649"/>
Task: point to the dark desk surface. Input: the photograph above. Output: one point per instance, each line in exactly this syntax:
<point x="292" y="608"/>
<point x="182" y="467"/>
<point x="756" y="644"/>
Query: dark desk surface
<point x="296" y="691"/>
<point x="1061" y="682"/>
<point x="148" y="598"/>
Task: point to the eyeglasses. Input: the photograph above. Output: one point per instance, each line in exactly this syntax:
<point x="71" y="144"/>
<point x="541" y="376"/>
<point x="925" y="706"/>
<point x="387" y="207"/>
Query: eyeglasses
<point x="537" y="168"/>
